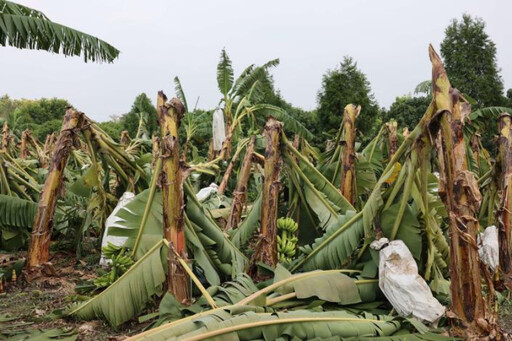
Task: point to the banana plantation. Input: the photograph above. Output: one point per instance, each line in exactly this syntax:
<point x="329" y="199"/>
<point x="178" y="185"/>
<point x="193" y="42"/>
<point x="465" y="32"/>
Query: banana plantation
<point x="256" y="233"/>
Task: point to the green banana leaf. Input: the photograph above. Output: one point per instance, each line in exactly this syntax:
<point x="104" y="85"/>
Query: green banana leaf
<point x="334" y="248"/>
<point x="409" y="231"/>
<point x="231" y="260"/>
<point x="241" y="235"/>
<point x="333" y="287"/>
<point x="16" y="218"/>
<point x="210" y="246"/>
<point x="128" y="296"/>
<point x="250" y="325"/>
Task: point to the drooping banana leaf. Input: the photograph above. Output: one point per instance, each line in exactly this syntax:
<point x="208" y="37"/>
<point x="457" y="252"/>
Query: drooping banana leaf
<point x="326" y="211"/>
<point x="409" y="230"/>
<point x="232" y="259"/>
<point x="319" y="194"/>
<point x="333" y="249"/>
<point x="128" y="219"/>
<point x="241" y="235"/>
<point x="316" y="178"/>
<point x="16" y="218"/>
<point x="290" y="123"/>
<point x="128" y="296"/>
<point x="204" y="249"/>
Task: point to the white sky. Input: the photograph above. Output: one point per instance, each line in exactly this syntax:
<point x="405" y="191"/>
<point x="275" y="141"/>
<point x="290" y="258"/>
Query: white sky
<point x="159" y="39"/>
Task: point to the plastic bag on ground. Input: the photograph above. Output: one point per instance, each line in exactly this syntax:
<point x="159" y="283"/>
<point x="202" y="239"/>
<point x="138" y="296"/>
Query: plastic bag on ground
<point x="206" y="192"/>
<point x="400" y="282"/>
<point x="488" y="247"/>
<point x="219" y="129"/>
<point x="111" y="221"/>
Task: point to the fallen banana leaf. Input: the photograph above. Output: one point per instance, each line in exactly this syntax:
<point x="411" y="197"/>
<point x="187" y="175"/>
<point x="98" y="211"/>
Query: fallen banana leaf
<point x="126" y="297"/>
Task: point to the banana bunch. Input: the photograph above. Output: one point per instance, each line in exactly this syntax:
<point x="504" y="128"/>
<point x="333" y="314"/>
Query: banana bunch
<point x="286" y="242"/>
<point x="110" y="249"/>
<point x="121" y="262"/>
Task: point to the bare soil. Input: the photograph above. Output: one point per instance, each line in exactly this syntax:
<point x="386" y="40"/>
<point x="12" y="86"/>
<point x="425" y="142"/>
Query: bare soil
<point x="35" y="304"/>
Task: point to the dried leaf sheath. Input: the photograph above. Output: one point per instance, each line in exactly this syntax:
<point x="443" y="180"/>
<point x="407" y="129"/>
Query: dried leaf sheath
<point x="39" y="249"/>
<point x="171" y="180"/>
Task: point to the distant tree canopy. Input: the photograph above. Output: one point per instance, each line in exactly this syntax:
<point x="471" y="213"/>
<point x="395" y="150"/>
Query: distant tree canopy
<point x="141" y="106"/>
<point x="42" y="116"/>
<point x="470" y="59"/>
<point x="408" y="110"/>
<point x="341" y="86"/>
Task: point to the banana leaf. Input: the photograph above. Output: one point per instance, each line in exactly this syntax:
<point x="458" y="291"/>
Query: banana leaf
<point x="241" y="235"/>
<point x="334" y="248"/>
<point x="232" y="260"/>
<point x="16" y="219"/>
<point x="301" y="324"/>
<point x="128" y="296"/>
<point x="205" y="239"/>
<point x="334" y="287"/>
<point x="409" y="231"/>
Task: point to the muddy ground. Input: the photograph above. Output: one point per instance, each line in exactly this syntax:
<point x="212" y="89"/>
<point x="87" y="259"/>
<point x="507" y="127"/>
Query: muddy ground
<point x="27" y="308"/>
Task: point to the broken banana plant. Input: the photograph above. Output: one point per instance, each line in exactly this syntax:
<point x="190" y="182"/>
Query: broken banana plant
<point x="240" y="193"/>
<point x="392" y="128"/>
<point x="459" y="191"/>
<point x="266" y="248"/>
<point x="348" y="175"/>
<point x="503" y="217"/>
<point x="39" y="250"/>
<point x="5" y="138"/>
<point x="171" y="181"/>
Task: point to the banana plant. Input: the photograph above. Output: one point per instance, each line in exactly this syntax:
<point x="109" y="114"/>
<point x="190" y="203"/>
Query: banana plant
<point x="235" y="90"/>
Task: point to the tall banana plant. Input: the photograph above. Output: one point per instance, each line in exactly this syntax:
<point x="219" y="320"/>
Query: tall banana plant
<point x="234" y="90"/>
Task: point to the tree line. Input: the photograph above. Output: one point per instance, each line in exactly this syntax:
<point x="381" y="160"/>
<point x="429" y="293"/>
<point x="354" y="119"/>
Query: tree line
<point x="477" y="77"/>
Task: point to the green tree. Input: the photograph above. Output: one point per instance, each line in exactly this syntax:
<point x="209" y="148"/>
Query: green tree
<point x="341" y="86"/>
<point x="41" y="130"/>
<point x="113" y="128"/>
<point x="7" y="106"/>
<point x="470" y="60"/>
<point x="43" y="110"/>
<point x="509" y="97"/>
<point x="27" y="28"/>
<point x="408" y="110"/>
<point x="141" y="106"/>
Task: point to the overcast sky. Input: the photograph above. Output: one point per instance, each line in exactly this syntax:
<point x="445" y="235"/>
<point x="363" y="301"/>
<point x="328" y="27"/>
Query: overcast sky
<point x="160" y="39"/>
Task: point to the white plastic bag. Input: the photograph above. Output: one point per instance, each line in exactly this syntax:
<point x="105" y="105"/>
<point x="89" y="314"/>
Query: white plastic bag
<point x="405" y="289"/>
<point x="111" y="221"/>
<point x="488" y="247"/>
<point x="204" y="193"/>
<point x="219" y="129"/>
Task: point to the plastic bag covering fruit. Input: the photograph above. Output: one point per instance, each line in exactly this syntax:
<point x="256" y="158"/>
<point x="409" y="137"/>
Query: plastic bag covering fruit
<point x="405" y="289"/>
<point x="219" y="129"/>
<point x="111" y="221"/>
<point x="488" y="247"/>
